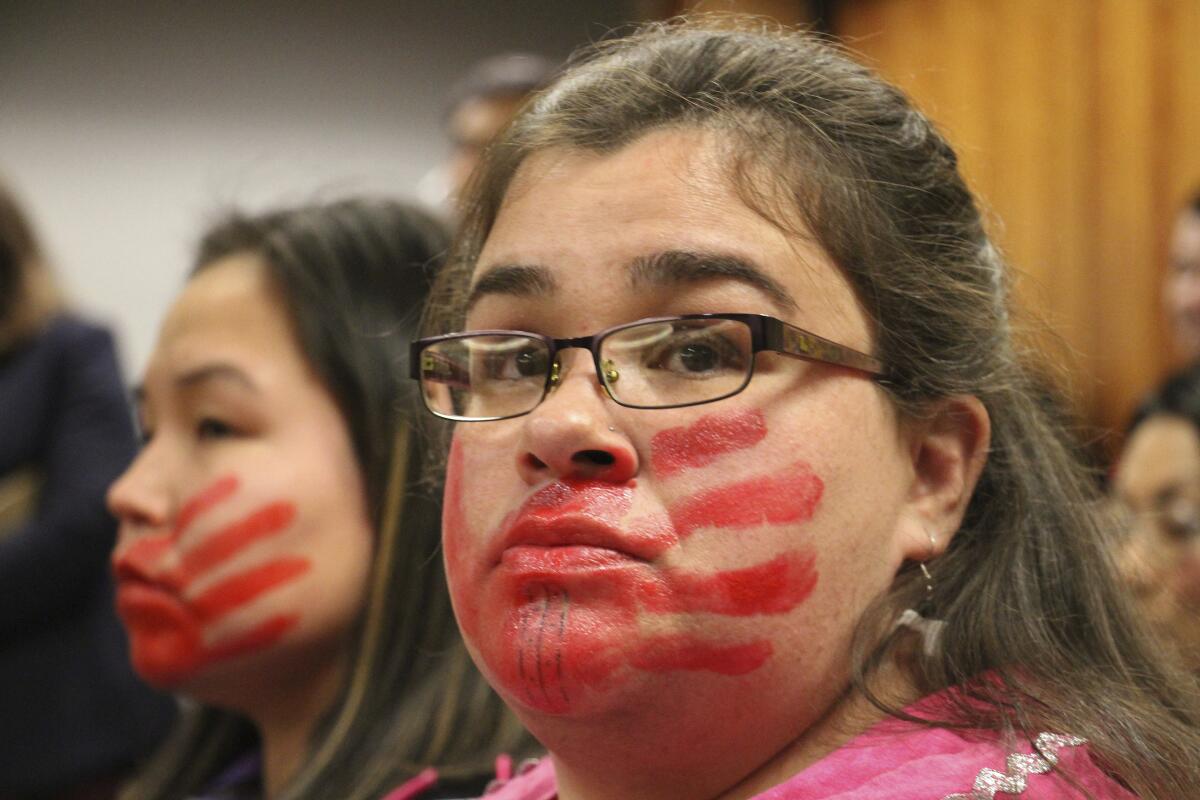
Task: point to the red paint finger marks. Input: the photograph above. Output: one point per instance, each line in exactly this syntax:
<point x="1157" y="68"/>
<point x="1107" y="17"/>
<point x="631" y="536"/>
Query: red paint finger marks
<point x="772" y="587"/>
<point x="165" y="639"/>
<point x="541" y="629"/>
<point x="166" y="632"/>
<point x="257" y="638"/>
<point x="684" y="653"/>
<point x="768" y="500"/>
<point x="221" y="489"/>
<point x="237" y="591"/>
<point x="267" y="521"/>
<point x="710" y="437"/>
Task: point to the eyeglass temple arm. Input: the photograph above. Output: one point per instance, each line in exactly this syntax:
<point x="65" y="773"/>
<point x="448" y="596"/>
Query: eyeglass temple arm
<point x="790" y="340"/>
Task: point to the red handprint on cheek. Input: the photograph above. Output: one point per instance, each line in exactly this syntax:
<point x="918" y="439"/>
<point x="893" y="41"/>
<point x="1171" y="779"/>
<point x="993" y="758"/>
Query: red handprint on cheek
<point x="167" y="624"/>
<point x="586" y="595"/>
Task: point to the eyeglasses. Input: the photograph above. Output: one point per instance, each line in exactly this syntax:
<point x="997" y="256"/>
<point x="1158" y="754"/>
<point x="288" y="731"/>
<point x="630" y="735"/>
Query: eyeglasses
<point x="665" y="362"/>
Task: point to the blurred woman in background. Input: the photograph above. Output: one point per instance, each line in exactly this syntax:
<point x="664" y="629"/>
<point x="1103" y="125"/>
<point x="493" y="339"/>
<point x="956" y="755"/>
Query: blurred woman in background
<point x="73" y="716"/>
<point x="275" y="562"/>
<point x="1158" y="482"/>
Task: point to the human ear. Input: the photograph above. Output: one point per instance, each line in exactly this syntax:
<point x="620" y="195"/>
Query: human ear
<point x="948" y="447"/>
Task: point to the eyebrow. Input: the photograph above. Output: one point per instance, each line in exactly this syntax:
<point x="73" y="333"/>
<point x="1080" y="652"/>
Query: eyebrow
<point x="517" y="280"/>
<point x="664" y="268"/>
<point x="194" y="377"/>
<point x="219" y="371"/>
<point x="687" y="266"/>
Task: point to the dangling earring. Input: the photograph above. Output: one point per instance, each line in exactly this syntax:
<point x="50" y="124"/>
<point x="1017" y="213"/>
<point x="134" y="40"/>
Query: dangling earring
<point x="930" y="629"/>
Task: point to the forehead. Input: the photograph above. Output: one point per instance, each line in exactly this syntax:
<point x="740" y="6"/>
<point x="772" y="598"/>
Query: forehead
<point x="586" y="217"/>
<point x="1163" y="454"/>
<point x="230" y="310"/>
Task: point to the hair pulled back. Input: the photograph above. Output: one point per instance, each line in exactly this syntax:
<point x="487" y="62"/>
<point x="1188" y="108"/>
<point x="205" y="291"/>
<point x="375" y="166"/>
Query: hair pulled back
<point x="825" y="149"/>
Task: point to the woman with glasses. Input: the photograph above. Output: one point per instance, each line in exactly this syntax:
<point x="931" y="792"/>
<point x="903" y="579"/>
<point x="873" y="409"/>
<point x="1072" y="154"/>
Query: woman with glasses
<point x="749" y="494"/>
<point x="1158" y="483"/>
<point x="276" y="561"/>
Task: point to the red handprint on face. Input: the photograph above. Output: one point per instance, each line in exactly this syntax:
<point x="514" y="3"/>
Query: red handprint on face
<point x="585" y="603"/>
<point x="168" y="620"/>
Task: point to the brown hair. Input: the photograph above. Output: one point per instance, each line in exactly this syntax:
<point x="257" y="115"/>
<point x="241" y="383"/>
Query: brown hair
<point x="1026" y="587"/>
<point x="28" y="296"/>
<point x="353" y="276"/>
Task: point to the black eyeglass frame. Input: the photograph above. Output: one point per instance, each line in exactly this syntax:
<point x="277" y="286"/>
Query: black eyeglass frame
<point x="766" y="333"/>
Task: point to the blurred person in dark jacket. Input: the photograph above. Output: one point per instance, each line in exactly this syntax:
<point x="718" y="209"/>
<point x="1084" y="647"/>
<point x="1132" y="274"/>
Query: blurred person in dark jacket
<point x="73" y="716"/>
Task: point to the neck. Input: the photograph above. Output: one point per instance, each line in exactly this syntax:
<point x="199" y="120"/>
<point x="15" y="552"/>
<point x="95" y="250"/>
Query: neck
<point x="286" y="718"/>
<point x="697" y="765"/>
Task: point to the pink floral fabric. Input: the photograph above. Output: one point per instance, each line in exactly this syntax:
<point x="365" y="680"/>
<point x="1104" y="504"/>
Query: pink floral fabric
<point x="899" y="761"/>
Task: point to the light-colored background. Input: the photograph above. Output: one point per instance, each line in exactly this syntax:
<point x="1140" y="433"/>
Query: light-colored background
<point x="125" y="126"/>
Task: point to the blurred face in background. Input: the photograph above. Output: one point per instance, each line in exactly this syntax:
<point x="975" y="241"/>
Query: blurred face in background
<point x="471" y="127"/>
<point x="1181" y="293"/>
<point x="1158" y="481"/>
<point x="245" y="541"/>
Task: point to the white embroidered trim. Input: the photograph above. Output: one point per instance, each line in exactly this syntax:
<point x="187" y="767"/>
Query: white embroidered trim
<point x="989" y="781"/>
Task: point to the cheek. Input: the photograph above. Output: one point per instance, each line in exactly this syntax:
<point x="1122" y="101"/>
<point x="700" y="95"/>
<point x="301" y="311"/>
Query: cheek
<point x="179" y="593"/>
<point x="1188" y="579"/>
<point x="556" y="636"/>
<point x="455" y="541"/>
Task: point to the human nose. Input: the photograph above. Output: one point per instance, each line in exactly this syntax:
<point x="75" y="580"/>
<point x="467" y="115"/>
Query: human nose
<point x="140" y="498"/>
<point x="572" y="433"/>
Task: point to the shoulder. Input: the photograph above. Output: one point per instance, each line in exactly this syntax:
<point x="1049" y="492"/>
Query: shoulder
<point x="1040" y="772"/>
<point x="902" y="763"/>
<point x="76" y="333"/>
<point x="533" y="781"/>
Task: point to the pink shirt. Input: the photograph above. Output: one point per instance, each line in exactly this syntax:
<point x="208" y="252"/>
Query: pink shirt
<point x="896" y="761"/>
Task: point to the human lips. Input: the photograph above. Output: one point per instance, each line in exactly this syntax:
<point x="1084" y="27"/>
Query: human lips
<point x="577" y="523"/>
<point x="576" y="537"/>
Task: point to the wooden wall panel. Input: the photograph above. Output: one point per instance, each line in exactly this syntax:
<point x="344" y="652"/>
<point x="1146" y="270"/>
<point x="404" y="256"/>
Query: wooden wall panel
<point x="1078" y="124"/>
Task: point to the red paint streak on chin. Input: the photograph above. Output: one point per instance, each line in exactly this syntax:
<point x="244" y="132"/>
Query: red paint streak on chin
<point x="164" y="637"/>
<point x="710" y="437"/>
<point x="232" y="593"/>
<point x="267" y="521"/>
<point x="770" y="500"/>
<point x="684" y="653"/>
<point x="772" y="587"/>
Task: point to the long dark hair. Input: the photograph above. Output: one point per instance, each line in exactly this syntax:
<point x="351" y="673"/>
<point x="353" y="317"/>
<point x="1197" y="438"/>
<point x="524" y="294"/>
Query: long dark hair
<point x="354" y="276"/>
<point x="1026" y="588"/>
<point x="28" y="295"/>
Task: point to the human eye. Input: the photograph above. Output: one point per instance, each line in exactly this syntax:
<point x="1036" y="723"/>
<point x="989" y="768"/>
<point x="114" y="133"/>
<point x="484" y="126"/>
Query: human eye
<point x="697" y="352"/>
<point x="213" y="428"/>
<point x="505" y="361"/>
<point x="1181" y="520"/>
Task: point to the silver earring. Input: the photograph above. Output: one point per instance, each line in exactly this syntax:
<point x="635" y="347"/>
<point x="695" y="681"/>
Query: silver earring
<point x="929" y="629"/>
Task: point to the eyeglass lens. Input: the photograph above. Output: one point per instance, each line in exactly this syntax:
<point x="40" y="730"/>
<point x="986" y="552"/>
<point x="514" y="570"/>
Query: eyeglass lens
<point x="648" y="365"/>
